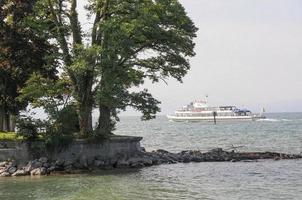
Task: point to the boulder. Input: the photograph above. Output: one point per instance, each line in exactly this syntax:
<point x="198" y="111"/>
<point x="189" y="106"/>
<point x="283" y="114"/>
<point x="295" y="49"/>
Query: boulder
<point x="43" y="160"/>
<point x="122" y="163"/>
<point x="20" y="172"/>
<point x="59" y="163"/>
<point x="90" y="161"/>
<point x="69" y="162"/>
<point x="147" y="161"/>
<point x="46" y="165"/>
<point x="137" y="165"/>
<point x="161" y="151"/>
<point x="38" y="171"/>
<point x="77" y="165"/>
<point x="99" y="163"/>
<point x="137" y="162"/>
<point x="83" y="163"/>
<point x="51" y="168"/>
<point x="5" y="174"/>
<point x="32" y="165"/>
<point x="12" y="170"/>
<point x="68" y="168"/>
<point x="3" y="169"/>
<point x="3" y="164"/>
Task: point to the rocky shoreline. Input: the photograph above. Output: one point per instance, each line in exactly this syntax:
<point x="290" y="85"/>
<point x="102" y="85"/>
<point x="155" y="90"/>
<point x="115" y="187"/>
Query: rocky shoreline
<point x="44" y="166"/>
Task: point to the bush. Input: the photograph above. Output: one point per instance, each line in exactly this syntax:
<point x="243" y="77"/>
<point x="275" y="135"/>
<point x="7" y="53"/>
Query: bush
<point x="9" y="136"/>
<point x="27" y="128"/>
<point x="68" y="120"/>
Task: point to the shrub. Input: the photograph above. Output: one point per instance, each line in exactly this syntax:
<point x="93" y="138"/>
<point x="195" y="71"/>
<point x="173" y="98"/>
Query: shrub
<point x="68" y="120"/>
<point x="27" y="128"/>
<point x="9" y="136"/>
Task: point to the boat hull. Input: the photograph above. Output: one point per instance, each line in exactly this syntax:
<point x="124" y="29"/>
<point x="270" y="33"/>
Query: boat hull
<point x="211" y="119"/>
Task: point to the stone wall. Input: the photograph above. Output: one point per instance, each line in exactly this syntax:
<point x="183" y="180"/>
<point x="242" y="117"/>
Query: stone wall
<point x="109" y="149"/>
<point x="17" y="151"/>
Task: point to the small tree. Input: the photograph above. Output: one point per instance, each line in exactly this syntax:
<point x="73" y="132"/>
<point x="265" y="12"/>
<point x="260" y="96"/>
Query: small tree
<point x="54" y="96"/>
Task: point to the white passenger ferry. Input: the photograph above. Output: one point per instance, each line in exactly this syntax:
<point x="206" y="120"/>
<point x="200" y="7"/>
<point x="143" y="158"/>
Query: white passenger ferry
<point x="200" y="111"/>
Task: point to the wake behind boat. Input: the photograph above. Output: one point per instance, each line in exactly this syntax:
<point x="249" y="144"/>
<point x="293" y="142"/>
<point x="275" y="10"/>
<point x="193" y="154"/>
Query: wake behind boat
<point x="200" y="111"/>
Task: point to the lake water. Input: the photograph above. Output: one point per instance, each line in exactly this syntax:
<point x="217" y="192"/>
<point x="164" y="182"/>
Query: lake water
<point x="240" y="180"/>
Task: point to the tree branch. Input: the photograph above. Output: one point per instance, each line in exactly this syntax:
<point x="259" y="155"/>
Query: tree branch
<point x="74" y="24"/>
<point x="62" y="41"/>
<point x="95" y="27"/>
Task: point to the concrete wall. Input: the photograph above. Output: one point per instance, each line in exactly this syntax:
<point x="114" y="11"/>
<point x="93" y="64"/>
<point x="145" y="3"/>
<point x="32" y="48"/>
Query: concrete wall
<point x="109" y="149"/>
<point x="14" y="151"/>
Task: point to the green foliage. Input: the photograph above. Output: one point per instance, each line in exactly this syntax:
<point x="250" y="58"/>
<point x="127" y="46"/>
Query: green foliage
<point x="54" y="96"/>
<point x="28" y="128"/>
<point x="10" y="136"/>
<point x="51" y="95"/>
<point x="141" y="39"/>
<point x="130" y="41"/>
<point x="23" y="50"/>
<point x="69" y="121"/>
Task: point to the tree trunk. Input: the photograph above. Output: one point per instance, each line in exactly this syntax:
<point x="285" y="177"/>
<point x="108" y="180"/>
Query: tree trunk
<point x="85" y="101"/>
<point x="12" y="123"/>
<point x="5" y="122"/>
<point x="1" y="119"/>
<point x="85" y="119"/>
<point x="104" y="125"/>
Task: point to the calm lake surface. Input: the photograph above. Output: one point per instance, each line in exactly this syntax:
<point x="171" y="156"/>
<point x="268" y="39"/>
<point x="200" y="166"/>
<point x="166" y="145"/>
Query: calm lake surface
<point x="240" y="180"/>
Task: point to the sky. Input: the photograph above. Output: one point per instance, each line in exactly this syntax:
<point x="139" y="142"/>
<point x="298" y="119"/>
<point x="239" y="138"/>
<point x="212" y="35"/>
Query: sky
<point x="248" y="54"/>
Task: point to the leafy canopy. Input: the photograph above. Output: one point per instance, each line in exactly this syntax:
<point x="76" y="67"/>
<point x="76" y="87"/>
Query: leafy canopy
<point x="129" y="42"/>
<point x="140" y="39"/>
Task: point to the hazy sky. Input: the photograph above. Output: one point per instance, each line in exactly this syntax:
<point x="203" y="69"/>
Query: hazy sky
<point x="249" y="54"/>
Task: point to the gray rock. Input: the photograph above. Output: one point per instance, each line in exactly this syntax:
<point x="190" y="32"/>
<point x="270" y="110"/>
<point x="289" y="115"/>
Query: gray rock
<point x="32" y="165"/>
<point x="46" y="165"/>
<point x="122" y="163"/>
<point x="10" y="164"/>
<point x="99" y="163"/>
<point x="20" y="172"/>
<point x="137" y="165"/>
<point x="3" y="164"/>
<point x="161" y="151"/>
<point x="68" y="162"/>
<point x="51" y="168"/>
<point x="134" y="160"/>
<point x="43" y="160"/>
<point x="38" y="171"/>
<point x="12" y="170"/>
<point x="5" y="174"/>
<point x="3" y="169"/>
<point x="137" y="162"/>
<point x="68" y="168"/>
<point x="59" y="162"/>
<point x="77" y="165"/>
<point x="90" y="161"/>
<point x="83" y="163"/>
<point x="147" y="161"/>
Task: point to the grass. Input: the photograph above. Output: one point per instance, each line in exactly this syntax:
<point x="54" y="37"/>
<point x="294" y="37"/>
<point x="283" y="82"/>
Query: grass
<point x="9" y="136"/>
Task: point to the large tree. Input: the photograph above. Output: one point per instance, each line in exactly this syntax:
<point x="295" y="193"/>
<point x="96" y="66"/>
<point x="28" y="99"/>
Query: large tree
<point x="129" y="41"/>
<point x="23" y="50"/>
<point x="140" y="40"/>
